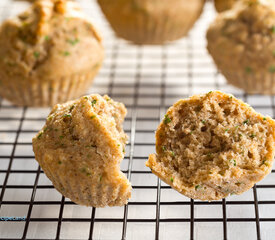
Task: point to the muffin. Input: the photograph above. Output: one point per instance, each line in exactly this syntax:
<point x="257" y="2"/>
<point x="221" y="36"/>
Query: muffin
<point x="151" y="21"/>
<point x="242" y="44"/>
<point x="212" y="145"/>
<point x="49" y="54"/>
<point x="80" y="149"/>
<point x="223" y="5"/>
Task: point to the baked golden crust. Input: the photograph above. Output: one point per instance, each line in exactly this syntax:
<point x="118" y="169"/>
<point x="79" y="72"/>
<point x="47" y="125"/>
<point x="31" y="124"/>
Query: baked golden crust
<point x="209" y="146"/>
<point x="80" y="149"/>
<point x="223" y="5"/>
<point x="49" y="54"/>
<point x="242" y="43"/>
<point x="151" y="21"/>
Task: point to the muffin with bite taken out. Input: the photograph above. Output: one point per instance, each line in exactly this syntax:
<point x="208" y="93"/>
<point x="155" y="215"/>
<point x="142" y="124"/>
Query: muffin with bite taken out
<point x="212" y="145"/>
<point x="80" y="149"/>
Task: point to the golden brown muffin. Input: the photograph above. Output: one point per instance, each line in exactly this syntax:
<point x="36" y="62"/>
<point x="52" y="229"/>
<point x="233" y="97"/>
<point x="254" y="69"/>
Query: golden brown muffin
<point x="80" y="149"/>
<point x="151" y="21"/>
<point x="242" y="44"/>
<point x="223" y="5"/>
<point x="212" y="145"/>
<point x="49" y="54"/>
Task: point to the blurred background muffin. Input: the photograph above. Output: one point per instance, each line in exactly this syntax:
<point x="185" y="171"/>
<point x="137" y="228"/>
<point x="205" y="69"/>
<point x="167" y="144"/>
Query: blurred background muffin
<point x="49" y="54"/>
<point x="151" y="21"/>
<point x="242" y="44"/>
<point x="222" y="5"/>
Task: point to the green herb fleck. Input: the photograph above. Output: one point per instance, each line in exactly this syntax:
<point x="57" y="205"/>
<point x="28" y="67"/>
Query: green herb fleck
<point x="93" y="102"/>
<point x="59" y="162"/>
<point x="93" y="116"/>
<point x="61" y="137"/>
<point x="203" y="121"/>
<point x="86" y="171"/>
<point x="25" y="24"/>
<point x="47" y="38"/>
<point x="123" y="150"/>
<point x="273" y="29"/>
<point x="197" y="187"/>
<point x="100" y="178"/>
<point x="252" y="135"/>
<point x="167" y="119"/>
<point x="172" y="179"/>
<point x="71" y="108"/>
<point x="36" y="54"/>
<point x="163" y="148"/>
<point x="73" y="41"/>
<point x="248" y="70"/>
<point x="233" y="161"/>
<point x="246" y="121"/>
<point x="209" y="92"/>
<point x="271" y="69"/>
<point x="9" y="63"/>
<point x="67" y="115"/>
<point x="264" y="118"/>
<point x="40" y="135"/>
<point x="265" y="163"/>
<point x="50" y="118"/>
<point x="172" y="153"/>
<point x="86" y="97"/>
<point x="66" y="53"/>
<point x="226" y="130"/>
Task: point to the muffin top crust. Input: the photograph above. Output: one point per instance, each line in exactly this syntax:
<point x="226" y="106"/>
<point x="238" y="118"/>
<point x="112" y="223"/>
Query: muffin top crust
<point x="223" y="5"/>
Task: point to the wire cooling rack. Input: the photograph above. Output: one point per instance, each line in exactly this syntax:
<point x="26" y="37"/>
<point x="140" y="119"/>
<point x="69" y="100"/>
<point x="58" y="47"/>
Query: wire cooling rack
<point x="147" y="80"/>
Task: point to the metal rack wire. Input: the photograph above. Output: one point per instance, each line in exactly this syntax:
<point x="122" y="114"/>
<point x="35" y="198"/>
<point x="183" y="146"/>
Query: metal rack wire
<point x="147" y="80"/>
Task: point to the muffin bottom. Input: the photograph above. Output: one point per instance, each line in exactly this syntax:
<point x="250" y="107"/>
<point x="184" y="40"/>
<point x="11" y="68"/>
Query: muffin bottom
<point x="252" y="83"/>
<point x="148" y="35"/>
<point x="47" y="93"/>
<point x="142" y="23"/>
<point x="96" y="195"/>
